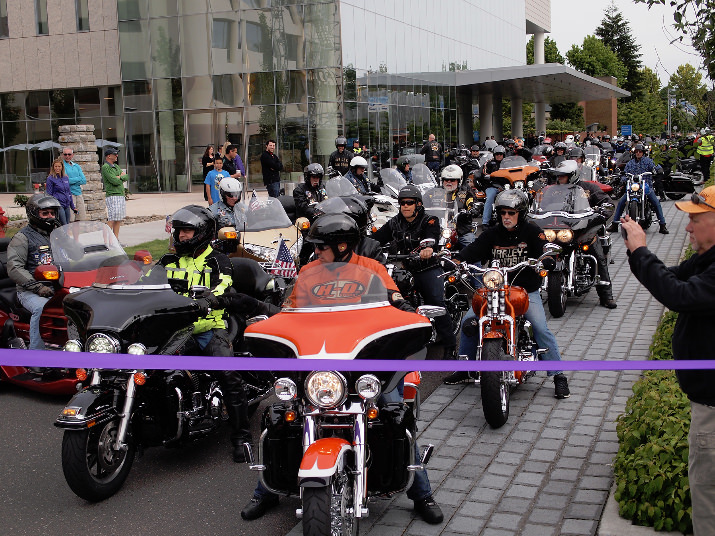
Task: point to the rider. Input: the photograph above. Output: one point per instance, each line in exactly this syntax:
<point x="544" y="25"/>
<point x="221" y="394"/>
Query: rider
<point x="404" y="233"/>
<point x="705" y="151"/>
<point x="511" y="241"/>
<point x="340" y="158"/>
<point x="559" y="154"/>
<point x="334" y="237"/>
<point x="403" y="166"/>
<point x="28" y="249"/>
<point x="567" y="172"/>
<point x="357" y="176"/>
<point x="463" y="203"/>
<point x="196" y="263"/>
<point x="358" y="208"/>
<point x="490" y="167"/>
<point x="635" y="166"/>
<point x="310" y="192"/>
<point x="224" y="210"/>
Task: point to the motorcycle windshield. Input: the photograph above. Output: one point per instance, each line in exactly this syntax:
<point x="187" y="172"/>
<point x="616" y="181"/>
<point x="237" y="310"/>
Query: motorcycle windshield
<point x="264" y="214"/>
<point x="338" y="186"/>
<point x="82" y="246"/>
<point x="568" y="198"/>
<point x="421" y="175"/>
<point x="392" y="181"/>
<point x="435" y="203"/>
<point x="341" y="285"/>
<point x="513" y="162"/>
<point x="333" y="205"/>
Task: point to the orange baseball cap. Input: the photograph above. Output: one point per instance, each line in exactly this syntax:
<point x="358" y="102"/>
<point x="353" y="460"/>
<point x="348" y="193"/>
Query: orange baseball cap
<point x="699" y="203"/>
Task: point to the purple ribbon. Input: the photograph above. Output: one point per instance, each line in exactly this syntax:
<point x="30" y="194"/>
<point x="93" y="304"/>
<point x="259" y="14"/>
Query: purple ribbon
<point x="45" y="358"/>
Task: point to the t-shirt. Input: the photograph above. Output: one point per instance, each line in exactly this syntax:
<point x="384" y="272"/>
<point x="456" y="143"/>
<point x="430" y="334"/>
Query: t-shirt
<point x="213" y="177"/>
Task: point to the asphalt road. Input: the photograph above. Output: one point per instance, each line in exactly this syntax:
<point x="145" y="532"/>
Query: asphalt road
<point x="194" y="490"/>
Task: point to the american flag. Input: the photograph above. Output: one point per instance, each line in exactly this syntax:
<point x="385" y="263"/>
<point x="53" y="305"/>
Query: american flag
<point x="284" y="265"/>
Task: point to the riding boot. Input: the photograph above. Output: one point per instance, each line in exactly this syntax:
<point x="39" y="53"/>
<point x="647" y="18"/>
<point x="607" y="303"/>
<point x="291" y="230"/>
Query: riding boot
<point x="240" y="424"/>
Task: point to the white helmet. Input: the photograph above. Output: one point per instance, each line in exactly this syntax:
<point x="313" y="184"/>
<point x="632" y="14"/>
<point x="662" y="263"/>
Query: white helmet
<point x="452" y="171"/>
<point x="569" y="138"/>
<point x="568" y="168"/>
<point x="230" y="187"/>
<point x="704" y="131"/>
<point x="358" y="161"/>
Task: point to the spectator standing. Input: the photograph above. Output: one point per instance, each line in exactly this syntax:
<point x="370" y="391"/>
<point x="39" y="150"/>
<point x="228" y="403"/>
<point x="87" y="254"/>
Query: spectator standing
<point x="705" y="151"/>
<point x="58" y="186"/>
<point x="232" y="163"/>
<point x="113" y="180"/>
<point x="77" y="179"/>
<point x="207" y="164"/>
<point x="688" y="289"/>
<point x="433" y="153"/>
<point x="271" y="167"/>
<point x="211" y="188"/>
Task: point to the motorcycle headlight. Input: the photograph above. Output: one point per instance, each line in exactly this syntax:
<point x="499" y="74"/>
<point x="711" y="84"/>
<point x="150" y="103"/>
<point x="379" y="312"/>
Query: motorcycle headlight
<point x="550" y="235"/>
<point x="100" y="343"/>
<point x="493" y="280"/>
<point x="326" y="389"/>
<point x="507" y="186"/>
<point x="72" y="346"/>
<point x="635" y="187"/>
<point x="564" y="235"/>
<point x="136" y="349"/>
<point x="285" y="388"/>
<point x="368" y="387"/>
<point x="530" y="184"/>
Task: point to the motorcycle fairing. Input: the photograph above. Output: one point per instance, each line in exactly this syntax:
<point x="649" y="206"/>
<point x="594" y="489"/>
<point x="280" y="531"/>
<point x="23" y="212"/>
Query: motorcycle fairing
<point x="94" y="406"/>
<point x="320" y="461"/>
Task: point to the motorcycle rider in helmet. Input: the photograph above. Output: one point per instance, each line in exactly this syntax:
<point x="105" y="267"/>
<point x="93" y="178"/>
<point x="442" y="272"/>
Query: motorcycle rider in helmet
<point x="340" y="158"/>
<point x="510" y="146"/>
<point x="357" y="151"/>
<point x="635" y="166"/>
<point x="491" y="192"/>
<point x="404" y="232"/>
<point x="357" y="175"/>
<point x="227" y="211"/>
<point x="567" y="172"/>
<point x="196" y="263"/>
<point x="403" y="166"/>
<point x="512" y="240"/>
<point x="334" y="237"/>
<point x="358" y="208"/>
<point x="576" y="154"/>
<point x="559" y="154"/>
<point x="462" y="202"/>
<point x="310" y="192"/>
<point x="27" y="250"/>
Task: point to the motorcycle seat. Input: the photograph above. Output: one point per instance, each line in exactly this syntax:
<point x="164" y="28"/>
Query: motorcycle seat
<point x="248" y="277"/>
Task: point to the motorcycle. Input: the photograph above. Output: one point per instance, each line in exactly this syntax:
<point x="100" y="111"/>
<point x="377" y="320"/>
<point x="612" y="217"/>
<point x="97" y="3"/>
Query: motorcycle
<point x="637" y="202"/>
<point x="331" y="439"/>
<point x="382" y="206"/>
<point x="503" y="331"/>
<point x="134" y="309"/>
<point x="567" y="219"/>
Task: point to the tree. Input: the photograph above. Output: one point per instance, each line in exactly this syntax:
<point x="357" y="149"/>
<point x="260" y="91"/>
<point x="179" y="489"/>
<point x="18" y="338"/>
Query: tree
<point x="551" y="52"/>
<point x="688" y="86"/>
<point x="694" y="19"/>
<point x="615" y="33"/>
<point x="647" y="112"/>
<point x="596" y="59"/>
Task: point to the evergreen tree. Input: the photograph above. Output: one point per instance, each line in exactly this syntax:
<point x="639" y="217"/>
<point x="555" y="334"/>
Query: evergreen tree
<point x="615" y="33"/>
<point x="551" y="52"/>
<point x="596" y="59"/>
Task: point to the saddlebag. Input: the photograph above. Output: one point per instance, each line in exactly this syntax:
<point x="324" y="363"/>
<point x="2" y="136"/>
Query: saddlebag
<point x="389" y="449"/>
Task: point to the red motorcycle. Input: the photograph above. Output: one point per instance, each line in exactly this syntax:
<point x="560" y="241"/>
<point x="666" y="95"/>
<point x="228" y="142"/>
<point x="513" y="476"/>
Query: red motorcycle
<point x="77" y="249"/>
<point x="331" y="439"/>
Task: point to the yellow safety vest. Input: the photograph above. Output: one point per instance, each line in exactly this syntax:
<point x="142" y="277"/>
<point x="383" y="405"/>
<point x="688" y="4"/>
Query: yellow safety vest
<point x="706" y="145"/>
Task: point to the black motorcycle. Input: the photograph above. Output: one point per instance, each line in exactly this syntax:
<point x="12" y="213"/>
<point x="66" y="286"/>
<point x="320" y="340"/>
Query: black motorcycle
<point x="135" y="310"/>
<point x="567" y="219"/>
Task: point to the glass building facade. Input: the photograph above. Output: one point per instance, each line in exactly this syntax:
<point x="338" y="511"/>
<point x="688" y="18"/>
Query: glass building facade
<point x="199" y="72"/>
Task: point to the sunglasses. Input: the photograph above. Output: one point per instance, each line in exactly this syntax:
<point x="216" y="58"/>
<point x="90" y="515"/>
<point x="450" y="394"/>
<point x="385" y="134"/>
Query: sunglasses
<point x="508" y="212"/>
<point x="408" y="202"/>
<point x="700" y="200"/>
<point x="450" y="180"/>
<point x="321" y="247"/>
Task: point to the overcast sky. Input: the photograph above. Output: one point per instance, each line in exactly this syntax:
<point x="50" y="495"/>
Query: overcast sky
<point x="651" y="28"/>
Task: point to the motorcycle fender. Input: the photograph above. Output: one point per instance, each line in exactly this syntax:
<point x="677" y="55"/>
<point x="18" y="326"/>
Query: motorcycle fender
<point x="320" y="461"/>
<point x="91" y="406"/>
<point x="494" y="335"/>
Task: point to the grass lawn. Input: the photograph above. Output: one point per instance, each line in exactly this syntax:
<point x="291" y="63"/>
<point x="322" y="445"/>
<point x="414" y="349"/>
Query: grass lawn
<point x="157" y="248"/>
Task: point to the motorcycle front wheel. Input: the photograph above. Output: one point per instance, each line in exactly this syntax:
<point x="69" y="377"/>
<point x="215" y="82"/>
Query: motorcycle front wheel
<point x="673" y="196"/>
<point x="329" y="509"/>
<point x="495" y="391"/>
<point x="455" y="313"/>
<point x="556" y="293"/>
<point x="93" y="468"/>
<point x="633" y="210"/>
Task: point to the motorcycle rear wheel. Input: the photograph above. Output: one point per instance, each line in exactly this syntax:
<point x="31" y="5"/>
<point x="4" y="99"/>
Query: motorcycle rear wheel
<point x="329" y="509"/>
<point x="556" y="293"/>
<point x="495" y="391"/>
<point x="93" y="469"/>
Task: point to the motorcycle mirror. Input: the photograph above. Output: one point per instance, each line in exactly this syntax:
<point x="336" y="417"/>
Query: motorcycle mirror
<point x="551" y="249"/>
<point x="431" y="311"/>
<point x="199" y="291"/>
<point x="427" y="243"/>
<point x="255" y="319"/>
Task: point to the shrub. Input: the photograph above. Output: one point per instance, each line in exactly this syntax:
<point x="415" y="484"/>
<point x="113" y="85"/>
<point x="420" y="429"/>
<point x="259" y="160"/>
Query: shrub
<point x="20" y="200"/>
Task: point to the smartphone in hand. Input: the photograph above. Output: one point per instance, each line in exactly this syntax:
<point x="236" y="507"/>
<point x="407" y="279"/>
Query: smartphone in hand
<point x="624" y="233"/>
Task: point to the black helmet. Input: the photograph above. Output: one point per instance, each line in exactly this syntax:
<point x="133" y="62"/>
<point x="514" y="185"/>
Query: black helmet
<point x="334" y="229"/>
<point x="639" y="147"/>
<point x="606" y="138"/>
<point x="513" y="199"/>
<point x="548" y="151"/>
<point x="410" y="191"/>
<point x="401" y="163"/>
<point x="508" y="142"/>
<point x="358" y="208"/>
<point x="474" y="148"/>
<point x="575" y="152"/>
<point x="340" y="140"/>
<point x="201" y="221"/>
<point x="40" y="202"/>
<point x="499" y="149"/>
<point x="313" y="170"/>
<point x="560" y="145"/>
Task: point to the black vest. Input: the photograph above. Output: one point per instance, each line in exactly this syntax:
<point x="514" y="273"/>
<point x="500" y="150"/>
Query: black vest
<point x="38" y="248"/>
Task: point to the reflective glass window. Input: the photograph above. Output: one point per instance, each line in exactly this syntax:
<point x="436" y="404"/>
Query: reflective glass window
<point x="172" y="157"/>
<point x="167" y="92"/>
<point x="88" y="103"/>
<point x="110" y="100"/>
<point x="132" y="9"/>
<point x="226" y="44"/>
<point x="62" y="103"/>
<point x="327" y="84"/>
<point x="261" y="88"/>
<point x="291" y="87"/>
<point x="228" y="89"/>
<point x="41" y="25"/>
<point x="134" y="44"/>
<point x="140" y="152"/>
<point x="198" y="92"/>
<point x="163" y="8"/>
<point x="259" y="44"/>
<point x="322" y="35"/>
<point x="165" y="47"/>
<point x="288" y="42"/>
<point x="4" y="29"/>
<point x="195" y="53"/>
<point x="82" y="11"/>
<point x="137" y="96"/>
<point x="12" y="106"/>
<point x="37" y="105"/>
<point x="191" y="7"/>
<point x="293" y="126"/>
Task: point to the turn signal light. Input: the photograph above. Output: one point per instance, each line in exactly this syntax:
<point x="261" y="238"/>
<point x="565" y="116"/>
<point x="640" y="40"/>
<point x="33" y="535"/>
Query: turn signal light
<point x="584" y="247"/>
<point x="230" y="235"/>
<point x="139" y="378"/>
<point x="290" y="415"/>
<point x="70" y="412"/>
<point x="51" y="275"/>
<point x="81" y="374"/>
<point x="543" y="273"/>
<point x="452" y="279"/>
<point x="143" y="256"/>
<point x="372" y="413"/>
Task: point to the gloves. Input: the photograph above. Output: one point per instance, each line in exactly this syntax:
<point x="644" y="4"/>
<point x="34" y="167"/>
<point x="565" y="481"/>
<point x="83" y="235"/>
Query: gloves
<point x="240" y="303"/>
<point x="45" y="292"/>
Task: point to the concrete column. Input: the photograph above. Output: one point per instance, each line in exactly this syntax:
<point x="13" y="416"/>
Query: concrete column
<point x="465" y="127"/>
<point x="539" y="48"/>
<point x="540" y="117"/>
<point x="486" y="110"/>
<point x="497" y="118"/>
<point x="81" y="139"/>
<point x="517" y="119"/>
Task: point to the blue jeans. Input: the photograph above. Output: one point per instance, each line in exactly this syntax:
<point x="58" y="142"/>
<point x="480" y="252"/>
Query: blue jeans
<point x="489" y="204"/>
<point x="420" y="488"/>
<point x="431" y="286"/>
<point x="33" y="303"/>
<point x="653" y="201"/>
<point x="433" y="166"/>
<point x="468" y="345"/>
<point x="64" y="214"/>
<point x="274" y="189"/>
